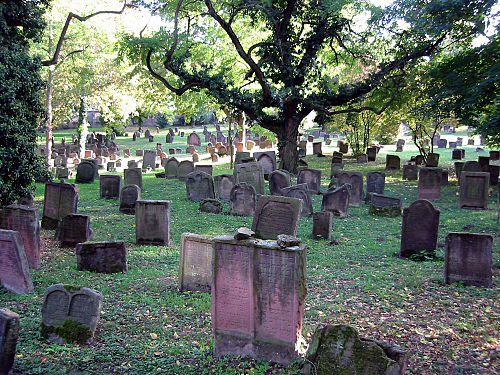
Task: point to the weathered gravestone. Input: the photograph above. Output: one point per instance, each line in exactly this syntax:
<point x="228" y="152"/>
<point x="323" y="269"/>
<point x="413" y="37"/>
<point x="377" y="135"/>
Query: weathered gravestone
<point x="258" y="294"/>
<point x="208" y="169"/>
<point x="73" y="229"/>
<point x="9" y="334"/>
<point x="371" y="153"/>
<point x="429" y="183"/>
<point x="276" y="215"/>
<point x="458" y="169"/>
<point x="70" y="314"/>
<point x="410" y="172"/>
<point x="399" y="145"/>
<point x="444" y="177"/>
<point x="355" y="179"/>
<point x="361" y="158"/>
<point x="457" y="154"/>
<point x="149" y="159"/>
<point x="419" y="230"/>
<point x="311" y="177"/>
<point x="484" y="162"/>
<point x="110" y="186"/>
<point x="169" y="138"/>
<point x="152" y="222"/>
<point x="494" y="155"/>
<point x="474" y="190"/>
<point x="419" y="160"/>
<point x="210" y="206"/>
<point x="133" y="176"/>
<point x="60" y="200"/>
<point x="239" y="156"/>
<point x="300" y="191"/>
<point x="392" y="162"/>
<point x="243" y="199"/>
<point x="336" y="200"/>
<point x="471" y="166"/>
<point x="171" y="166"/>
<point x="442" y="143"/>
<point x="195" y="265"/>
<point x="184" y="168"/>
<point x="468" y="259"/>
<point x="147" y="133"/>
<point x="14" y="269"/>
<point x="493" y="171"/>
<point x="102" y="257"/>
<point x="470" y="142"/>
<point x="317" y="148"/>
<point x="375" y="183"/>
<point x="85" y="172"/>
<point x="62" y="172"/>
<point x="322" y="224"/>
<point x="199" y="185"/>
<point x="128" y="196"/>
<point x="223" y="185"/>
<point x="267" y="160"/>
<point x="343" y="147"/>
<point x="452" y="144"/>
<point x="278" y="180"/>
<point x="383" y="205"/>
<point x="193" y="139"/>
<point x="250" y="173"/>
<point x="24" y="220"/>
<point x="432" y="160"/>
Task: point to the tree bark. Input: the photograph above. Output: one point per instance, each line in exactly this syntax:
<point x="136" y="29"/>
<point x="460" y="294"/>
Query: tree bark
<point x="287" y="145"/>
<point x="48" y="122"/>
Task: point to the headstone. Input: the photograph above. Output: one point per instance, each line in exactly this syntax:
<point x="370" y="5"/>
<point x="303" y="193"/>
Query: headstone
<point x="250" y="173"/>
<point x="432" y="160"/>
<point x="169" y="138"/>
<point x="470" y="142"/>
<point x="419" y="160"/>
<point x="336" y="200"/>
<point x="70" y="314"/>
<point x="442" y="143"/>
<point x="110" y="186"/>
<point x="410" y="172"/>
<point x="139" y="152"/>
<point x="392" y="162"/>
<point x="194" y="140"/>
<point x="149" y="159"/>
<point x="336" y="159"/>
<point x="322" y="224"/>
<point x="317" y="148"/>
<point x="195" y="265"/>
<point x="243" y="199"/>
<point x="493" y="171"/>
<point x="85" y="172"/>
<point x="258" y="294"/>
<point x="456" y="154"/>
<point x="471" y="166"/>
<point x="375" y="183"/>
<point x="129" y="195"/>
<point x="184" y="168"/>
<point x="14" y="270"/>
<point x="199" y="186"/>
<point x="250" y="145"/>
<point x="133" y="176"/>
<point x="310" y="138"/>
<point x="452" y="144"/>
<point x="9" y="334"/>
<point x="383" y="205"/>
<point x="311" y="177"/>
<point x="458" y="169"/>
<point x="371" y="153"/>
<point x="152" y="222"/>
<point x="419" y="231"/>
<point x="474" y="190"/>
<point x="468" y="259"/>
<point x="171" y="166"/>
<point x="27" y="200"/>
<point x="214" y="158"/>
<point x="73" y="228"/>
<point x="444" y="177"/>
<point x="210" y="206"/>
<point x="484" y="162"/>
<point x="102" y="257"/>
<point x="429" y="183"/>
<point x="239" y="156"/>
<point x="267" y="160"/>
<point x="361" y="158"/>
<point x="494" y="155"/>
<point x="62" y="172"/>
<point x="278" y="180"/>
<point x="24" y="220"/>
<point x="223" y="185"/>
<point x="300" y="191"/>
<point x="276" y="215"/>
<point x="60" y="200"/>
<point x="343" y="147"/>
<point x="355" y="179"/>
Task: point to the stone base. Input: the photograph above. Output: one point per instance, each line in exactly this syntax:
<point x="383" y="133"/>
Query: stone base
<point x="384" y="211"/>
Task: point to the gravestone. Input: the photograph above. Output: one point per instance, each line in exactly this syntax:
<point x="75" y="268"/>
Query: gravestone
<point x="337" y="158"/>
<point x="355" y="179"/>
<point x="258" y="294"/>
<point x="383" y="205"/>
<point x="70" y="314"/>
<point x="14" y="270"/>
<point x="24" y="220"/>
<point x="169" y="138"/>
<point x="375" y="183"/>
<point x="275" y="215"/>
<point x="419" y="231"/>
<point x="210" y="206"/>
<point x="317" y="148"/>
<point x="371" y="153"/>
<point x="9" y="334"/>
<point x="471" y="166"/>
<point x="474" y="190"/>
<point x="399" y="145"/>
<point x="468" y="259"/>
<point x="139" y="152"/>
<point x="444" y="177"/>
<point x="147" y="133"/>
<point x="310" y="138"/>
<point x="484" y="162"/>
<point x="133" y="176"/>
<point x="419" y="160"/>
<point x="195" y="264"/>
<point x="392" y="162"/>
<point x="243" y="199"/>
<point x="191" y="150"/>
<point x="208" y="169"/>
<point x="429" y="183"/>
<point x="494" y="155"/>
<point x="493" y="170"/>
<point x="110" y="186"/>
<point x="149" y="159"/>
<point x="470" y="142"/>
<point x="102" y="257"/>
<point x="452" y="144"/>
<point x="129" y="195"/>
<point x="361" y="158"/>
<point x="458" y="169"/>
<point x="442" y="143"/>
<point x="194" y="140"/>
<point x="85" y="172"/>
<point x="171" y="166"/>
<point x="73" y="229"/>
<point x="60" y="200"/>
<point x="432" y="160"/>
<point x="267" y="159"/>
<point x="311" y="177"/>
<point x="343" y="147"/>
<point x="250" y="145"/>
<point x="410" y="172"/>
<point x="239" y="156"/>
<point x="184" y="168"/>
<point x="300" y="191"/>
<point x="278" y="180"/>
<point x="199" y="186"/>
<point x="322" y="224"/>
<point x="250" y="173"/>
<point x="456" y="154"/>
<point x="336" y="200"/>
<point x="223" y="185"/>
<point x="152" y="222"/>
<point x="62" y="173"/>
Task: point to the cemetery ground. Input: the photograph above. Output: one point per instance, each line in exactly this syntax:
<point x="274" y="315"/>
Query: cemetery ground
<point x="147" y="326"/>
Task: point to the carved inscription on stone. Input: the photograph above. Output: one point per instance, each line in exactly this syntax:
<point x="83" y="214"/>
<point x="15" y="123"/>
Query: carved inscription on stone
<point x="195" y="265"/>
<point x="276" y="215"/>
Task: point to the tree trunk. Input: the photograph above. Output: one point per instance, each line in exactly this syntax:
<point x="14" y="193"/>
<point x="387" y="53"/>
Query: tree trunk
<point x="48" y="123"/>
<point x="287" y="146"/>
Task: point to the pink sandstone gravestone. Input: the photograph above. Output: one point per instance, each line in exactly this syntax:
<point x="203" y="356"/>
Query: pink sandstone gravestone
<point x="9" y="334"/>
<point x="195" y="264"/>
<point x="14" y="271"/>
<point x="152" y="222"/>
<point x="474" y="190"/>
<point x="429" y="183"/>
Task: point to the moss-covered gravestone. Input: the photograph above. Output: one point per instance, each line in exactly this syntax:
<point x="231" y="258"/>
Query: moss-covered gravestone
<point x="70" y="314"/>
<point x="382" y="205"/>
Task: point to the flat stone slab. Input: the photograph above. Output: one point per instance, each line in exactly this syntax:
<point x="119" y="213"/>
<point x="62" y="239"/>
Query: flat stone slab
<point x="103" y="257"/>
<point x="276" y="215"/>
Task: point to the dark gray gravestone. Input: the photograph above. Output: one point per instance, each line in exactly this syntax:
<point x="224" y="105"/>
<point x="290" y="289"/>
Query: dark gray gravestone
<point x="110" y="186"/>
<point x="410" y="172"/>
<point x="278" y="180"/>
<point x="343" y="147"/>
<point x="429" y="183"/>
<point x="355" y="179"/>
<point x="419" y="231"/>
<point x="133" y="176"/>
<point x="375" y="183"/>
<point x="73" y="229"/>
<point x="193" y="139"/>
<point x="208" y="169"/>
<point x="371" y="153"/>
<point x="14" y="270"/>
<point x="442" y="143"/>
<point x="102" y="257"/>
<point x="250" y="173"/>
<point x="493" y="171"/>
<point x="128" y="196"/>
<point x="169" y="138"/>
<point x="471" y="166"/>
<point x="267" y="159"/>
<point x="65" y="306"/>
<point x="239" y="156"/>
<point x="452" y="144"/>
<point x="300" y="191"/>
<point x="361" y="158"/>
<point x="199" y="186"/>
<point x="470" y="142"/>
<point x="24" y="220"/>
<point x="223" y="185"/>
<point x="62" y="172"/>
<point x="195" y="265"/>
<point x="336" y="200"/>
<point x="311" y="177"/>
<point x="382" y="205"/>
<point x="456" y="154"/>
<point x="317" y="148"/>
<point x="419" y="160"/>
<point x="60" y="200"/>
<point x="149" y="159"/>
<point x="458" y="169"/>
<point x="484" y="162"/>
<point x="322" y="224"/>
<point x="85" y="172"/>
<point x="468" y="259"/>
<point x="474" y="190"/>
<point x="152" y="222"/>
<point x="276" y="215"/>
<point x="210" y="206"/>
<point x="243" y="199"/>
<point x="392" y="162"/>
<point x="494" y="155"/>
<point x="184" y="168"/>
<point x="432" y="160"/>
<point x="171" y="166"/>
<point x="9" y="334"/>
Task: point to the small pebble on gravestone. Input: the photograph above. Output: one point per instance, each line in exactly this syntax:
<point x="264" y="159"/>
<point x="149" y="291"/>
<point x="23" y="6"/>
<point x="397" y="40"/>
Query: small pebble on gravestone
<point x="243" y="233"/>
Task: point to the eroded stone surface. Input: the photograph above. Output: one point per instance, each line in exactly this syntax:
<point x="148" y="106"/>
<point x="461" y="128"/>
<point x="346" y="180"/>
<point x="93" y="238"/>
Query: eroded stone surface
<point x="14" y="271"/>
<point x="9" y="334"/>
<point x="276" y="215"/>
<point x="195" y="264"/>
<point x="103" y="257"/>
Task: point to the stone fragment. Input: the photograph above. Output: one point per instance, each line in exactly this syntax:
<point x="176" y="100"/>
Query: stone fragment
<point x="243" y="233"/>
<point x="211" y="206"/>
<point x="285" y="240"/>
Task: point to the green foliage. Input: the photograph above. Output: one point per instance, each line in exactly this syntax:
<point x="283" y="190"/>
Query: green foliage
<point x="71" y="331"/>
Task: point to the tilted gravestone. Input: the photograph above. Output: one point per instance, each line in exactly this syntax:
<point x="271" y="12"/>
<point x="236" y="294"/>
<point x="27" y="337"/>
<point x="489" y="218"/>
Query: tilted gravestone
<point x="70" y="314"/>
<point x="258" y="294"/>
<point x="199" y="186"/>
<point x="14" y="270"/>
<point x="410" y="172"/>
<point x="267" y="160"/>
<point x="73" y="229"/>
<point x="375" y="183"/>
<point x="24" y="220"/>
<point x="195" y="264"/>
<point x="152" y="222"/>
<point x="85" y="172"/>
<point x="468" y="259"/>
<point x="474" y="190"/>
<point x="336" y="200"/>
<point x="211" y="206"/>
<point x="276" y="215"/>
<point x="300" y="191"/>
<point x="9" y="334"/>
<point x="128" y="196"/>
<point x="429" y="183"/>
<point x="184" y="168"/>
<point x="382" y="205"/>
<point x="250" y="173"/>
<point x="171" y="166"/>
<point x="278" y="180"/>
<point x="223" y="185"/>
<point x="133" y="176"/>
<point x="243" y="199"/>
<point x="311" y="177"/>
<point x="392" y="162"/>
<point x="419" y="231"/>
<point x="60" y="200"/>
<point x="110" y="186"/>
<point x="322" y="224"/>
<point x="102" y="257"/>
<point x="193" y="139"/>
<point x="355" y="179"/>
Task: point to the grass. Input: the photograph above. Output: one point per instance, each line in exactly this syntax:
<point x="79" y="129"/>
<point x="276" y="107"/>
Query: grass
<point x="148" y="327"/>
